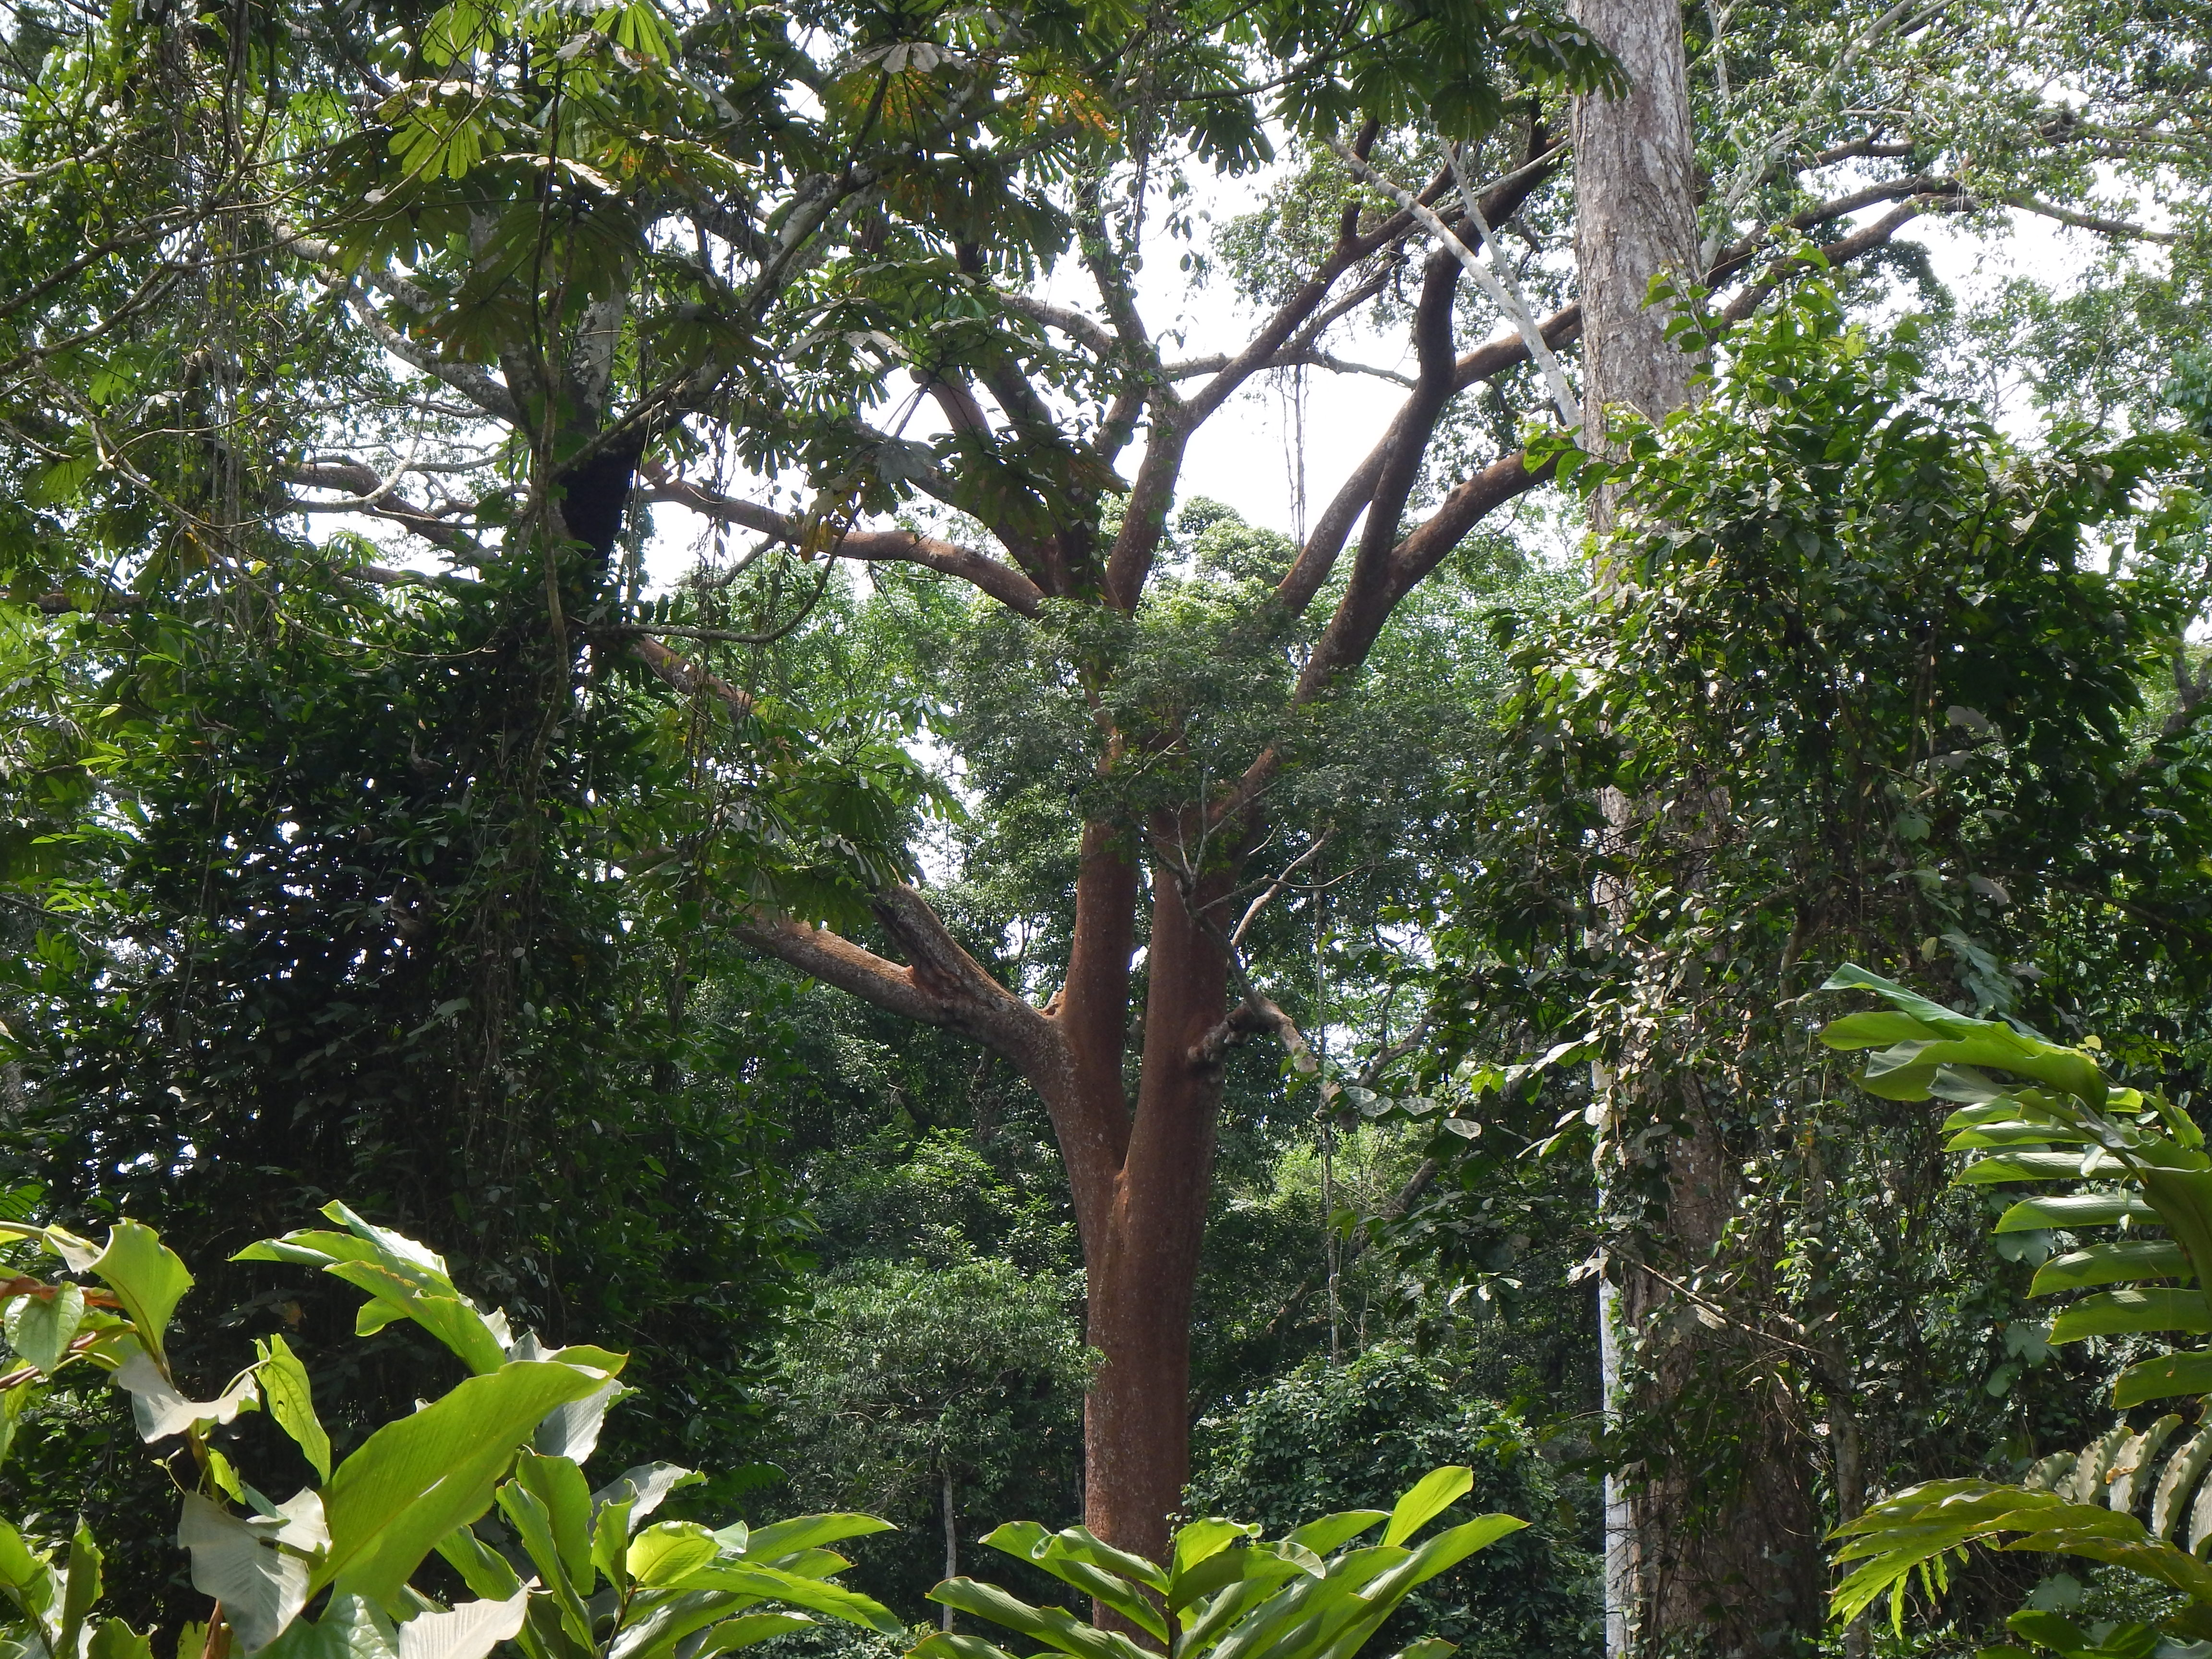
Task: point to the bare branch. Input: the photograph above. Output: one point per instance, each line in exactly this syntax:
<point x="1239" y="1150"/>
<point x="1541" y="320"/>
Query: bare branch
<point x="2089" y="221"/>
<point x="1001" y="581"/>
<point x="1491" y="274"/>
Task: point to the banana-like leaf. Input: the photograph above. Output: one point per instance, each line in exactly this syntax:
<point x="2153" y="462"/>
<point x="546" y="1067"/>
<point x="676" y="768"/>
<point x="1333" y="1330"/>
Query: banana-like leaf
<point x="2167" y="1378"/>
<point x="291" y="1401"/>
<point x="2074" y="1210"/>
<point x="1055" y="1627"/>
<point x="747" y="1628"/>
<point x="2122" y="1262"/>
<point x="801" y="1532"/>
<point x="236" y="1560"/>
<point x="470" y="1630"/>
<point x="2038" y="1166"/>
<point x="406" y="1280"/>
<point x="161" y="1410"/>
<point x="2123" y="1313"/>
<point x="415" y="1480"/>
<point x="1428" y="1498"/>
<point x="770" y="1584"/>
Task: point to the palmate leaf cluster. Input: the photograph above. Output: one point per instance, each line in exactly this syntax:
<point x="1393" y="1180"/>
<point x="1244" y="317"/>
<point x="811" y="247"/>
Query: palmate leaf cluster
<point x="2039" y="1111"/>
<point x="513" y="1436"/>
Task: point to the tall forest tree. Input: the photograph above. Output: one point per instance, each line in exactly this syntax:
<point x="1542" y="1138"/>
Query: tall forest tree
<point x="497" y="281"/>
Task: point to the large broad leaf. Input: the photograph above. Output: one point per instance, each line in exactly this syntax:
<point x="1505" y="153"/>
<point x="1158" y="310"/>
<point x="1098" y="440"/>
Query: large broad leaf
<point x="747" y="1628"/>
<point x="470" y="1632"/>
<point x="2165" y="1377"/>
<point x="1428" y="1498"/>
<point x="1054" y="1626"/>
<point x="1907" y="1068"/>
<point x="572" y="1433"/>
<point x="235" y="1559"/>
<point x="559" y="1485"/>
<point x="41" y="1327"/>
<point x="2123" y="1313"/>
<point x="350" y="1628"/>
<point x="1333" y="1532"/>
<point x="1202" y="1538"/>
<point x="1076" y="1557"/>
<point x="655" y="1620"/>
<point x="148" y="1278"/>
<point x="415" y="1480"/>
<point x="291" y="1401"/>
<point x="1109" y="1590"/>
<point x="2037" y="1166"/>
<point x="801" y="1532"/>
<point x="670" y="1553"/>
<point x="407" y="1280"/>
<point x="2075" y="1210"/>
<point x="770" y="1585"/>
<point x="161" y="1410"/>
<point x="2111" y="1263"/>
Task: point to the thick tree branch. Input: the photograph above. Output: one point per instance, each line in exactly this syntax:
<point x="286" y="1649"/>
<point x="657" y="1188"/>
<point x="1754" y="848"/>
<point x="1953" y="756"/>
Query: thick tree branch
<point x="1001" y="581"/>
<point x="942" y="984"/>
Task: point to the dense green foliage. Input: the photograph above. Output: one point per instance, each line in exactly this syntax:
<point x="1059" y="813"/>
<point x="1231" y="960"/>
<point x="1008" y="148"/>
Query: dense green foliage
<point x="389" y="807"/>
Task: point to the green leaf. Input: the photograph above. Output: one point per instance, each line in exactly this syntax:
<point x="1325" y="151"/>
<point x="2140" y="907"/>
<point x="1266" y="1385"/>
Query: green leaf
<point x="18" y="1568"/>
<point x="2073" y="1209"/>
<point x="291" y="1401"/>
<point x="611" y="1541"/>
<point x="1333" y="1532"/>
<point x="805" y="1532"/>
<point x="747" y="1628"/>
<point x="2119" y="1313"/>
<point x="1444" y="1551"/>
<point x="951" y="1644"/>
<point x="2036" y="1166"/>
<point x="1873" y="1029"/>
<point x="470" y="1630"/>
<point x="2163" y="1378"/>
<point x="559" y="1485"/>
<point x="40" y="1329"/>
<point x="486" y="1572"/>
<point x="535" y="1529"/>
<point x="159" y="1410"/>
<point x="771" y="1585"/>
<point x="2111" y="1263"/>
<point x="236" y="1561"/>
<point x="1431" y="1496"/>
<point x="350" y="1628"/>
<point x="81" y="1584"/>
<point x="1200" y="1539"/>
<point x="2049" y="1630"/>
<point x="1054" y="1626"/>
<point x="414" y="1481"/>
<point x="148" y="1278"/>
<point x="669" y="1552"/>
<point x="113" y="1639"/>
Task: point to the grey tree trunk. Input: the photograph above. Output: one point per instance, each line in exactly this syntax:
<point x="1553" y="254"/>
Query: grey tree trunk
<point x="1684" y="1568"/>
<point x="1635" y="186"/>
<point x="951" y="1541"/>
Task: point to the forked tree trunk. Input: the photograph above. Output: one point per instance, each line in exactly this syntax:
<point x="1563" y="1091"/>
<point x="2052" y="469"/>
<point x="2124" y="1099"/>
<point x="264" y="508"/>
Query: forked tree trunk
<point x="1686" y="1565"/>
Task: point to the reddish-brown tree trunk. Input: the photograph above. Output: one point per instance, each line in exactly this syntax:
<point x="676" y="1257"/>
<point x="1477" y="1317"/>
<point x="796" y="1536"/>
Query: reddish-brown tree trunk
<point x="1144" y="1273"/>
